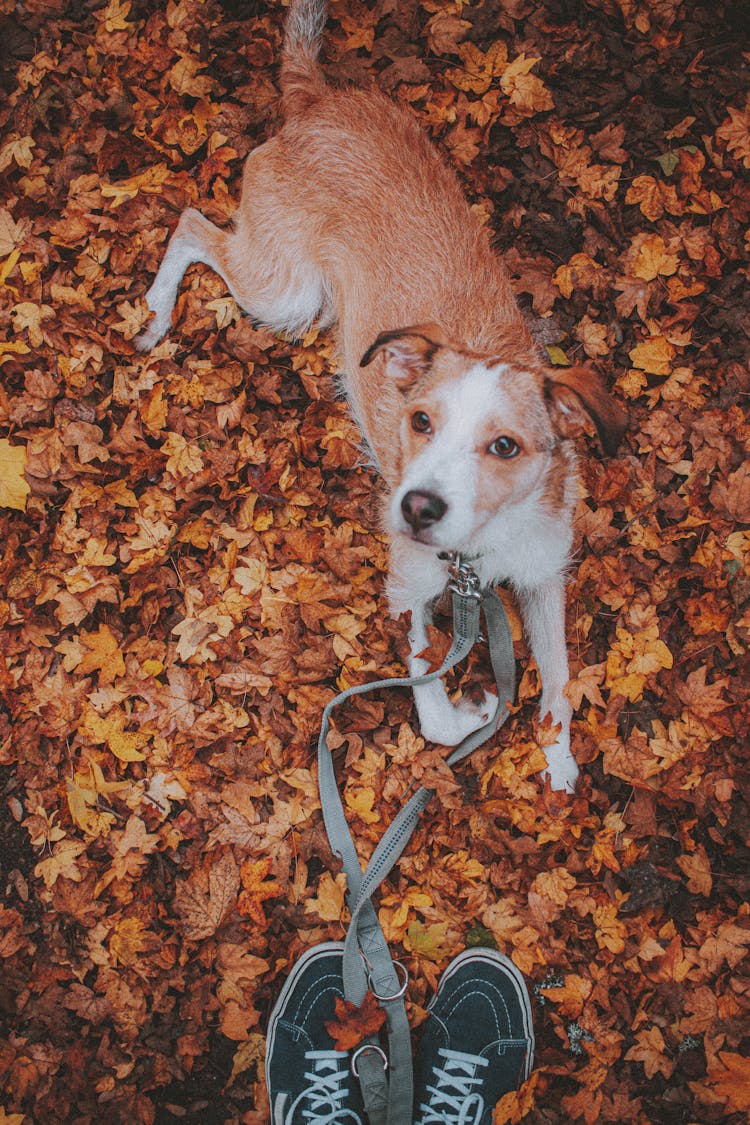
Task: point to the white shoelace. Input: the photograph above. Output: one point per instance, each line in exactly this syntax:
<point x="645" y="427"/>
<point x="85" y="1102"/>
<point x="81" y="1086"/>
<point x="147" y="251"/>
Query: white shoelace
<point x="320" y="1103"/>
<point x="453" y="1099"/>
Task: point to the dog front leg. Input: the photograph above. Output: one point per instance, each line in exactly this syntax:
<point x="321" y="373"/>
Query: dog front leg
<point x="543" y="611"/>
<point x="195" y="240"/>
<point x="440" y="720"/>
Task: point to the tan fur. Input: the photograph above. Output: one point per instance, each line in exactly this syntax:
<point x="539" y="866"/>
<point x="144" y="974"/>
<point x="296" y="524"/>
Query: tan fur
<point x="349" y="216"/>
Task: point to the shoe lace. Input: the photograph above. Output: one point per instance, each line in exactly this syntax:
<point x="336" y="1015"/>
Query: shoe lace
<point x="321" y="1103"/>
<point x="454" y="1099"/>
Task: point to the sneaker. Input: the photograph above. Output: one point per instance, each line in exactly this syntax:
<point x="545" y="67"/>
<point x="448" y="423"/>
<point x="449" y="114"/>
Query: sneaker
<point x="309" y="1083"/>
<point x="477" y="1043"/>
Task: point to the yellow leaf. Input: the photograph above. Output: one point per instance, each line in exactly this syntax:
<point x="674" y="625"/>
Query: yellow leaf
<point x="149" y="182"/>
<point x="123" y="744"/>
<point x="526" y="92"/>
<point x="85" y="815"/>
<point x="129" y="939"/>
<point x="14" y="490"/>
<point x="360" y="801"/>
<point x="11" y="1118"/>
<point x="654" y="259"/>
<point x="329" y="903"/>
<point x="654" y="356"/>
<point x="183" y="458"/>
<point x="475" y="77"/>
<point x="427" y="941"/>
<point x="557" y="356"/>
<point x="184" y="78"/>
<point x="114" y="15"/>
<point x="103" y="655"/>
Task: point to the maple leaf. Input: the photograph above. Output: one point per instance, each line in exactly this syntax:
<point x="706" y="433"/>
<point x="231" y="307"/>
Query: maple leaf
<point x="732" y="498"/>
<point x="20" y="150"/>
<point x="103" y="655"/>
<point x="353" y="1024"/>
<point x="731" y="1080"/>
<point x="527" y="93"/>
<point x="201" y="909"/>
<point x="329" y="902"/>
<point x="650" y="1049"/>
<point x="514" y="1106"/>
<point x="654" y="197"/>
<point x="62" y="863"/>
<point x="479" y="68"/>
<point x="14" y="490"/>
<point x="653" y="258"/>
<point x="115" y="15"/>
<point x="360" y="801"/>
<point x="633" y="658"/>
<point x="130" y="938"/>
<point x="735" y="132"/>
<point x="428" y="941"/>
<point x="698" y="870"/>
<point x="610" y="932"/>
<point x="654" y="356"/>
<point x="571" y="996"/>
<point x="257" y="889"/>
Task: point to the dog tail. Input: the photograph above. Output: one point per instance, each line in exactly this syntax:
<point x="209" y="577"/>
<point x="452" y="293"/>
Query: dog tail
<point x="302" y="80"/>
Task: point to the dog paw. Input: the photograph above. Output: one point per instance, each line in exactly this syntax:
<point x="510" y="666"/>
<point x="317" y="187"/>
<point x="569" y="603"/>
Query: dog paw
<point x="562" y="768"/>
<point x="455" y="724"/>
<point x="150" y="336"/>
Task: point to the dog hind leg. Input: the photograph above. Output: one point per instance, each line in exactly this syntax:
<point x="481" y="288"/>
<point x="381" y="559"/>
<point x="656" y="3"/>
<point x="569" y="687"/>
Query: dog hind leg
<point x="195" y="240"/>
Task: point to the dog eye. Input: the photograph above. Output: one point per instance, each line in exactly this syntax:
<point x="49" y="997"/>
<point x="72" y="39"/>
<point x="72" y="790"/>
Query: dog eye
<point x="420" y="422"/>
<point x="504" y="447"/>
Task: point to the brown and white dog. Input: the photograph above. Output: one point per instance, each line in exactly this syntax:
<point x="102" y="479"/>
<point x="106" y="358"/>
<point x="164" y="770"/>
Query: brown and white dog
<point x="350" y="217"/>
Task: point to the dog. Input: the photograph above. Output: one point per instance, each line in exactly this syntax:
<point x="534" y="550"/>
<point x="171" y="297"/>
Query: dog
<point x="349" y="217"/>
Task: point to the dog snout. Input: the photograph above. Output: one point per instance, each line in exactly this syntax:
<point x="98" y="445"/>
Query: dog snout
<point x="422" y="509"/>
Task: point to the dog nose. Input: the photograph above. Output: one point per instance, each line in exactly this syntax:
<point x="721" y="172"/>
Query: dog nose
<point x="422" y="509"/>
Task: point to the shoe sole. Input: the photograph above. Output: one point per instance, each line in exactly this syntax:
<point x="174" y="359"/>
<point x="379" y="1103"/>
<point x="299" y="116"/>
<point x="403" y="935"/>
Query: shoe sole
<point x="308" y="958"/>
<point x="512" y="973"/>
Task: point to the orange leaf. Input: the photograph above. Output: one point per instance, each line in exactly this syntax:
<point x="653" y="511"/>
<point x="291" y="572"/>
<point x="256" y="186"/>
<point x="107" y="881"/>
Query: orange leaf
<point x="256" y="889"/>
<point x="732" y="1081"/>
<point x="353" y="1024"/>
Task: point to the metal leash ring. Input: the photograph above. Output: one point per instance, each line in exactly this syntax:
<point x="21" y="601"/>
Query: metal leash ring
<point x="396" y="995"/>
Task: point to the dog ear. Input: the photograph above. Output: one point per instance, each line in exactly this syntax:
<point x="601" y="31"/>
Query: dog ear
<point x="576" y="395"/>
<point x="408" y="351"/>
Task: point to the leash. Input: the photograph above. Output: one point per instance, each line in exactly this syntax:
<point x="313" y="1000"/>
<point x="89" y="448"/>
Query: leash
<point x="386" y="1079"/>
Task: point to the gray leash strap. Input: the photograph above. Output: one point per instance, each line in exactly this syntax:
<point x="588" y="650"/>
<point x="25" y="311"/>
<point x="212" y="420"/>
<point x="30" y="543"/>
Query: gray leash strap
<point x="386" y="1081"/>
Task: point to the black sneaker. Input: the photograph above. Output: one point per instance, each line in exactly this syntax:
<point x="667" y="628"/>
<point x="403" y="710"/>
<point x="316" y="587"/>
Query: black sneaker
<point x="308" y="1081"/>
<point x="477" y="1043"/>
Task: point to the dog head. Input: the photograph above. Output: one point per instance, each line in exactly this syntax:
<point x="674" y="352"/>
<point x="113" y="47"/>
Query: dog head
<point x="478" y="434"/>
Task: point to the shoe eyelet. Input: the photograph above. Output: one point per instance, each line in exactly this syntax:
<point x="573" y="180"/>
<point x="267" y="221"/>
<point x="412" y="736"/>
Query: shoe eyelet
<point x="362" y="1050"/>
<point x="396" y="995"/>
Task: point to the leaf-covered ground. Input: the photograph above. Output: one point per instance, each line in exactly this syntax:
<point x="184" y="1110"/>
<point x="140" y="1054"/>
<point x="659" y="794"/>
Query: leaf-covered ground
<point x="191" y="566"/>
